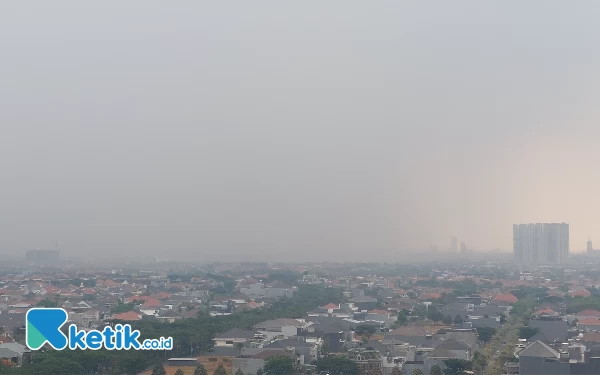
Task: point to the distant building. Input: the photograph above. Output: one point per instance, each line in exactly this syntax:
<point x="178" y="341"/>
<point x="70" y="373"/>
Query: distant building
<point x="42" y="255"/>
<point x="541" y="243"/>
<point x="589" y="246"/>
<point x="463" y="247"/>
<point x="453" y="244"/>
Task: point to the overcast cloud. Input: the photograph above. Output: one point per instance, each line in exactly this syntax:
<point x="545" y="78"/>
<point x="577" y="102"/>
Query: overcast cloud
<point x="314" y="130"/>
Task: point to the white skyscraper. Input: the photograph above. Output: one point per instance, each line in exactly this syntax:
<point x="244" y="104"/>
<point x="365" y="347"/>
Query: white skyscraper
<point x="541" y="243"/>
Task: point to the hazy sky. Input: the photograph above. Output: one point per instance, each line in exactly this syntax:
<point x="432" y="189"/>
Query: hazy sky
<point x="310" y="129"/>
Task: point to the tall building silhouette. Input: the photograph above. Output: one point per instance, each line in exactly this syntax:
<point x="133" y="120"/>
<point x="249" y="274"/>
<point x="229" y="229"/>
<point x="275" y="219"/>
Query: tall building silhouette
<point x="589" y="246"/>
<point x="541" y="242"/>
<point x="453" y="244"/>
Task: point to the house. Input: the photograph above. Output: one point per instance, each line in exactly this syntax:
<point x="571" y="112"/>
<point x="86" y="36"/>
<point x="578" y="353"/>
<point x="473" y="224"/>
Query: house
<point x="589" y="324"/>
<point x="580" y="293"/>
<point x="15" y="352"/>
<point x="251" y="361"/>
<point x="365" y="303"/>
<point x="507" y="298"/>
<point x="281" y="328"/>
<point x="127" y="316"/>
<point x="554" y="329"/>
<point x="569" y="359"/>
<point x="588" y="314"/>
<point x="237" y="336"/>
<point x="459" y="349"/>
<point x="306" y="352"/>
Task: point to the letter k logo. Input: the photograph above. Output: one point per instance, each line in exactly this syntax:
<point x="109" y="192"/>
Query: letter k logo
<point x="43" y="326"/>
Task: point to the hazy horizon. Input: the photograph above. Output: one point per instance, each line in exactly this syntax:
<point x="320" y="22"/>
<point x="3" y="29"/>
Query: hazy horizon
<point x="339" y="130"/>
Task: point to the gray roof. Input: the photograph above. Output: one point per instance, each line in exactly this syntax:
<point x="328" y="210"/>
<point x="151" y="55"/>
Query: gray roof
<point x="364" y="299"/>
<point x="289" y="343"/>
<point x="552" y="329"/>
<point x="7" y="353"/>
<point x="15" y="347"/>
<point x="442" y="353"/>
<point x="538" y="349"/>
<point x="418" y="341"/>
<point x="236" y="333"/>
<point x="222" y="351"/>
<point x="452" y="344"/>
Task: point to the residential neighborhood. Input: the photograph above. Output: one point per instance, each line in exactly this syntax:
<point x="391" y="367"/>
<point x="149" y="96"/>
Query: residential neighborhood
<point x="317" y="319"/>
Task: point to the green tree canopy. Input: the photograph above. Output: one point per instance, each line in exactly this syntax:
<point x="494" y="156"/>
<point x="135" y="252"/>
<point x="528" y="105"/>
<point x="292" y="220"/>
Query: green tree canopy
<point x="434" y="315"/>
<point x="46" y="303"/>
<point x="220" y="370"/>
<point x="456" y="366"/>
<point x="179" y="372"/>
<point x="402" y="318"/>
<point x="435" y="370"/>
<point x="279" y="365"/>
<point x="458" y="320"/>
<point x="365" y="330"/>
<point x="200" y="370"/>
<point x="486" y="333"/>
<point x="337" y="366"/>
<point x="158" y="370"/>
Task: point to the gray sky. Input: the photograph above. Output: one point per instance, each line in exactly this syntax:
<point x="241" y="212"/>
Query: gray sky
<point x="310" y="129"/>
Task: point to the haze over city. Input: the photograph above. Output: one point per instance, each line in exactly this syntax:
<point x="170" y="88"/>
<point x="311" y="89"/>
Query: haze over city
<point x="312" y="130"/>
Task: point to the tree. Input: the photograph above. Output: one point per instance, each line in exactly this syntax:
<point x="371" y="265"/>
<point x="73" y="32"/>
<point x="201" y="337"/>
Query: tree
<point x="279" y="365"/>
<point x="419" y="311"/>
<point x="239" y="346"/>
<point x="447" y="320"/>
<point x="479" y="363"/>
<point x="417" y="372"/>
<point x="220" y="371"/>
<point x="158" y="370"/>
<point x="180" y="372"/>
<point x="396" y="371"/>
<point x="402" y="318"/>
<point x="458" y="320"/>
<point x="337" y="366"/>
<point x="46" y="303"/>
<point x="485" y="333"/>
<point x="239" y="372"/>
<point x="434" y="315"/>
<point x="365" y="330"/>
<point x="324" y="348"/>
<point x="435" y="370"/>
<point x="200" y="370"/>
<point x="456" y="366"/>
<point x="260" y="372"/>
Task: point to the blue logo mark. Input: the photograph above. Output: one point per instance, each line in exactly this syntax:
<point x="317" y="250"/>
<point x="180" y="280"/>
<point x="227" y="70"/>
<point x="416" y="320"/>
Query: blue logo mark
<point x="43" y="326"/>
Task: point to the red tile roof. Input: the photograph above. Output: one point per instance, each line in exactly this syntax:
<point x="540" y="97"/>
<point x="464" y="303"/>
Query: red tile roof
<point x="589" y="312"/>
<point x="506" y="298"/>
<point x="580" y="293"/>
<point x="129" y="315"/>
<point x="546" y="311"/>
